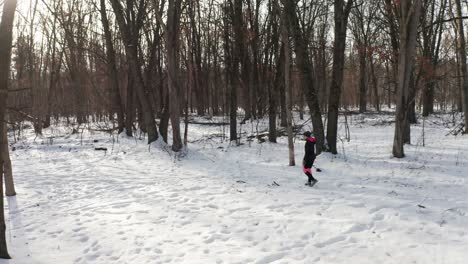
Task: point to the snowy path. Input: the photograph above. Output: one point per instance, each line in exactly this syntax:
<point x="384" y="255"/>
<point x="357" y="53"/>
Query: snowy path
<point x="76" y="205"/>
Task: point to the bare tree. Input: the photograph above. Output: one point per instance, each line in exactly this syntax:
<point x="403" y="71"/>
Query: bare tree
<point x="462" y="55"/>
<point x="233" y="33"/>
<point x="172" y="48"/>
<point x="431" y="32"/>
<point x="363" y="29"/>
<point x="6" y="39"/>
<point x="410" y="11"/>
<point x="392" y="22"/>
<point x="305" y="67"/>
<point x="342" y="10"/>
<point x="112" y="67"/>
<point x="129" y="30"/>
<point x="273" y="86"/>
<point x="287" y="83"/>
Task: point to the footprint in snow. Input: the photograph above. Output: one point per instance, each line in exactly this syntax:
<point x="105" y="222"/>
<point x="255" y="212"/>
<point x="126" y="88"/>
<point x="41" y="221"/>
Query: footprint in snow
<point x="271" y="258"/>
<point x="356" y="228"/>
<point x="330" y="241"/>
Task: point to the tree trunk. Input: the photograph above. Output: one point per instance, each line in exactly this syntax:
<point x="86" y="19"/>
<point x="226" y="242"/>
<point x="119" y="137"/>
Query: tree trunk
<point x="273" y="95"/>
<point x="6" y="39"/>
<point x="287" y="86"/>
<point x="432" y="34"/>
<point x="112" y="68"/>
<point x="256" y="86"/>
<point x="411" y="110"/>
<point x="8" y="170"/>
<point x="412" y="119"/>
<point x="283" y="121"/>
<point x="462" y="55"/>
<point x="305" y="69"/>
<point x="165" y="119"/>
<point x="459" y="92"/>
<point x="428" y="98"/>
<point x="130" y="107"/>
<point x="241" y="59"/>
<point x="53" y="71"/>
<point x="374" y="84"/>
<point x="339" y="45"/>
<point x="322" y="67"/>
<point x="410" y="13"/>
<point x="236" y="50"/>
<point x="130" y="39"/>
<point x="393" y="26"/>
<point x="172" y="48"/>
<point x="362" y="80"/>
<point x="272" y="113"/>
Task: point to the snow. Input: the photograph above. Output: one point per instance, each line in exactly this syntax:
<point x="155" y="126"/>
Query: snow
<point x="222" y="204"/>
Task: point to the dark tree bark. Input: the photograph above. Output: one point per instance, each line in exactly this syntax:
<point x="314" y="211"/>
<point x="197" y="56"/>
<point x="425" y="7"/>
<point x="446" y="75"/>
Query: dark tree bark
<point x="410" y="11"/>
<point x="390" y="10"/>
<point x="431" y="37"/>
<point x="274" y="94"/>
<point x="112" y="67"/>
<point x="283" y="121"/>
<point x="287" y="81"/>
<point x="342" y="10"/>
<point x="172" y="48"/>
<point x="463" y="65"/>
<point x="55" y="68"/>
<point x="241" y="58"/>
<point x="7" y="167"/>
<point x="362" y="80"/>
<point x="130" y="107"/>
<point x="273" y="86"/>
<point x="411" y="108"/>
<point x="256" y="88"/>
<point x="305" y="70"/>
<point x="375" y="86"/>
<point x="6" y="39"/>
<point x="129" y="34"/>
<point x="233" y="62"/>
<point x="164" y="125"/>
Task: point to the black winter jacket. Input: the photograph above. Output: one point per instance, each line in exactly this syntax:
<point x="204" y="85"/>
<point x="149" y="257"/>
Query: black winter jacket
<point x="309" y="155"/>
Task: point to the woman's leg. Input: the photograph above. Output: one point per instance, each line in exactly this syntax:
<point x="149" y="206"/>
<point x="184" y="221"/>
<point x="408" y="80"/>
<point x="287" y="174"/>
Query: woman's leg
<point x="311" y="178"/>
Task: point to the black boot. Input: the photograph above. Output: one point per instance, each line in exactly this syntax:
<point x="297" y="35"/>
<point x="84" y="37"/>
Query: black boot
<point x="312" y="183"/>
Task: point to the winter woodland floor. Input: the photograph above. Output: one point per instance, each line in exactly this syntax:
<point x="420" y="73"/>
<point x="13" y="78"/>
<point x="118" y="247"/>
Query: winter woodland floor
<point x="224" y="204"/>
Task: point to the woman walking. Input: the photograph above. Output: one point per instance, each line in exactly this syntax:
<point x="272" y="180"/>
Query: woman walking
<point x="309" y="158"/>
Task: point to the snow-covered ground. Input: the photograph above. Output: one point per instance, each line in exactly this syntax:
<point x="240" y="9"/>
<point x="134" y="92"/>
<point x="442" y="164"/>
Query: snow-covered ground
<point x="225" y="204"/>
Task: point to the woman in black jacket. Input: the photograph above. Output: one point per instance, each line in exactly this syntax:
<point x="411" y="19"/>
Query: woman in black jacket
<point x="309" y="158"/>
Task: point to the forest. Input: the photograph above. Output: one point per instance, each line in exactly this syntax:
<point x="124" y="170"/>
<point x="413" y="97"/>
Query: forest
<point x="152" y="69"/>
